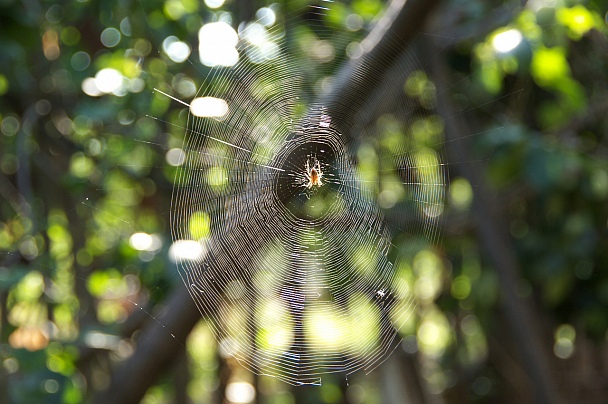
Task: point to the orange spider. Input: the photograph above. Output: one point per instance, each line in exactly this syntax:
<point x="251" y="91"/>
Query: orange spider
<point x="313" y="174"/>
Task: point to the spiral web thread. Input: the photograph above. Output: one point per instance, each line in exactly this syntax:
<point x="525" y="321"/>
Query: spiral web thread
<point x="297" y="282"/>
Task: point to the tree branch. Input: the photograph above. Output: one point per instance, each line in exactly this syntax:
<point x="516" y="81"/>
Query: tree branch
<point x="493" y="236"/>
<point x="356" y="82"/>
<point x="157" y="347"/>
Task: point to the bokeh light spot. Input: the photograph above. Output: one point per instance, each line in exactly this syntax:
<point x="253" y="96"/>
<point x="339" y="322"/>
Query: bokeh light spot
<point x="217" y="44"/>
<point x="506" y="41"/>
<point x="209" y="107"/>
<point x="110" y="37"/>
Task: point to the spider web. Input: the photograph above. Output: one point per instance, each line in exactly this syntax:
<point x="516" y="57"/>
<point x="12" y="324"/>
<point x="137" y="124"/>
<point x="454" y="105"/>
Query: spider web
<point x="300" y="281"/>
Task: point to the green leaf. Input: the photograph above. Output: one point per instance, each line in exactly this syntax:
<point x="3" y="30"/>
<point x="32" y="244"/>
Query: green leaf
<point x="549" y="65"/>
<point x="578" y="19"/>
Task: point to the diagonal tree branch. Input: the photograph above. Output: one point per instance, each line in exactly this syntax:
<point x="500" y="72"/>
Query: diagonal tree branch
<point x="358" y="79"/>
<point x="157" y="347"/>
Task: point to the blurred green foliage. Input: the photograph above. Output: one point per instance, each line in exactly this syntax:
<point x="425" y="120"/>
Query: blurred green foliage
<point x="83" y="170"/>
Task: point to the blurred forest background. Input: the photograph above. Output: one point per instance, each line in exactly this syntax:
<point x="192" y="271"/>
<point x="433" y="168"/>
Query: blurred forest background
<point x="92" y="307"/>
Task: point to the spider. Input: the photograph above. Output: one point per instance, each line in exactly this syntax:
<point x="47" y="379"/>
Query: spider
<point x="313" y="174"/>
